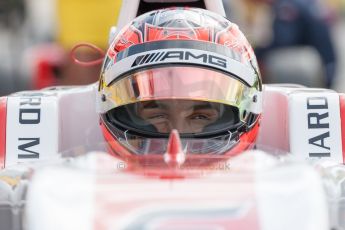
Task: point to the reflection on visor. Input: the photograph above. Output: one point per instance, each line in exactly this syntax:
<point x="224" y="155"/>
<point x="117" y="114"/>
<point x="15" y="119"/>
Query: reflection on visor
<point x="191" y="83"/>
<point x="145" y="146"/>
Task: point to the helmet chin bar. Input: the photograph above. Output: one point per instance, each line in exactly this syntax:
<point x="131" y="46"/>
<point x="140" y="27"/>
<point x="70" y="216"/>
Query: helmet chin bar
<point x="175" y="156"/>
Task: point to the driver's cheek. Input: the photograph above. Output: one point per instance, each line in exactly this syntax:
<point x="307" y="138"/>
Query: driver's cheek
<point x="163" y="127"/>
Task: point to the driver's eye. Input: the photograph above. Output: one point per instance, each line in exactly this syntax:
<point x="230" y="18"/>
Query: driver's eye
<point x="157" y="117"/>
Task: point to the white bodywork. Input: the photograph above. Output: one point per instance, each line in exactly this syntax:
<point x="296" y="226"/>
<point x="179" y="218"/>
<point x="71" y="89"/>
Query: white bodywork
<point x="270" y="194"/>
<point x="267" y="196"/>
<point x="93" y="191"/>
<point x="68" y="119"/>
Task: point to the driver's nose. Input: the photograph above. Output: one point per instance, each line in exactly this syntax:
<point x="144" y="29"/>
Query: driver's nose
<point x="181" y="125"/>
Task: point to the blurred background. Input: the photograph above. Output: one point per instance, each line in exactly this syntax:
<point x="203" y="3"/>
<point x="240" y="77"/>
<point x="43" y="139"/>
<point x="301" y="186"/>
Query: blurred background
<point x="296" y="41"/>
<point x="36" y="37"/>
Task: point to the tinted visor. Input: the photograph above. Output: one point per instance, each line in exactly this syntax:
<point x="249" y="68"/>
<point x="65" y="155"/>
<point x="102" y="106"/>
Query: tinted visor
<point x="191" y="118"/>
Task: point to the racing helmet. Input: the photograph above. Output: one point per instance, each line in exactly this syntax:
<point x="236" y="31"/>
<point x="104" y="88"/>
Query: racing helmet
<point x="184" y="69"/>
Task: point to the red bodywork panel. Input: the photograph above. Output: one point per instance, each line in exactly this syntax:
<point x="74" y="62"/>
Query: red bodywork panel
<point x="3" y="115"/>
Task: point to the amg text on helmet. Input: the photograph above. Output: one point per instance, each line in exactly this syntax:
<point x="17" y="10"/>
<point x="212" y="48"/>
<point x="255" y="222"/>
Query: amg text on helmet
<point x="170" y="56"/>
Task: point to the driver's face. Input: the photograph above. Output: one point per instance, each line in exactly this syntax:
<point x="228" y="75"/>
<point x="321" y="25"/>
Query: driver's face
<point x="185" y="116"/>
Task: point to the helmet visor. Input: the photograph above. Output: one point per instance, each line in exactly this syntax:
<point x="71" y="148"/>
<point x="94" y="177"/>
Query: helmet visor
<point x="192" y="100"/>
<point x="182" y="82"/>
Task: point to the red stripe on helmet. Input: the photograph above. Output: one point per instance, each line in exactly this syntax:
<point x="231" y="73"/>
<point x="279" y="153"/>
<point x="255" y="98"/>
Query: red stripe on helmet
<point x="116" y="149"/>
<point x="3" y="111"/>
<point x="246" y="142"/>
